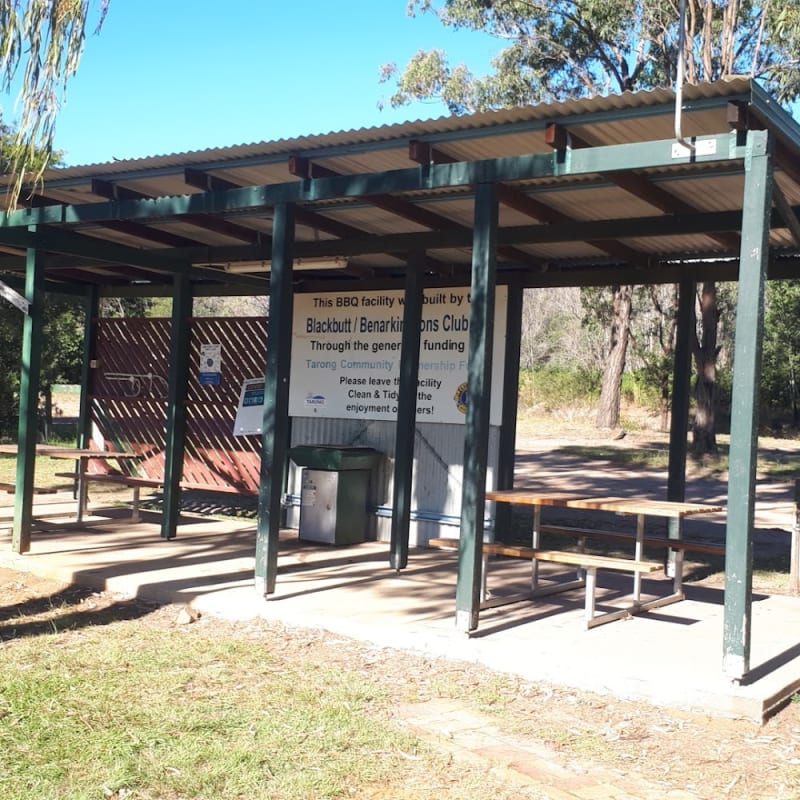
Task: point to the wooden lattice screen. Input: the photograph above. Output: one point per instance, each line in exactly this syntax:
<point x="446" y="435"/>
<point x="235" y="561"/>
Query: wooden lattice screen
<point x="129" y="388"/>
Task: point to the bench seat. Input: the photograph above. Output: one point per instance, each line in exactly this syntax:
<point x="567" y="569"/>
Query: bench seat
<point x="130" y="481"/>
<point x="10" y="488"/>
<point x="556" y="556"/>
<point x="137" y="482"/>
<point x="586" y="562"/>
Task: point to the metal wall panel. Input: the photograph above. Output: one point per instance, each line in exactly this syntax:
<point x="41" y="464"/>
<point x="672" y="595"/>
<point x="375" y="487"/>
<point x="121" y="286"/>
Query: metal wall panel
<point x="437" y="474"/>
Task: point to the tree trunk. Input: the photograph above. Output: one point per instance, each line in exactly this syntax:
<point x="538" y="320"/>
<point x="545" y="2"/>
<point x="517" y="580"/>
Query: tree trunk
<point x="704" y="435"/>
<point x="608" y="408"/>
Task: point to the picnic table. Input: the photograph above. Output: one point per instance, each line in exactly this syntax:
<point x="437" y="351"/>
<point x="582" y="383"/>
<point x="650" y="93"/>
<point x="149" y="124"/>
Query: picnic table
<point x="642" y="508"/>
<point x="82" y="456"/>
<point x="588" y="563"/>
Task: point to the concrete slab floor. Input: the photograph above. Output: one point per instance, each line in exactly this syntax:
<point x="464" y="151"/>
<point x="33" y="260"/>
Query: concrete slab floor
<point x="671" y="656"/>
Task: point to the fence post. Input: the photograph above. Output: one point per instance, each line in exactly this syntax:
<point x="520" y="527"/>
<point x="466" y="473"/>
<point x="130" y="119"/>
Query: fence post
<point x="794" y="557"/>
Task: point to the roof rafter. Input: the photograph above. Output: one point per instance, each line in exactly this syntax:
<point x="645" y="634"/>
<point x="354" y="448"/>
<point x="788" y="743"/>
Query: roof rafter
<point x="560" y="138"/>
<point x="518" y="200"/>
<point x="303" y="168"/>
<point x="135" y="229"/>
<point x="208" y="182"/>
<point x="200" y="179"/>
<point x="655" y="226"/>
<point x="165" y="262"/>
<point x="721" y="149"/>
<point x="113" y="191"/>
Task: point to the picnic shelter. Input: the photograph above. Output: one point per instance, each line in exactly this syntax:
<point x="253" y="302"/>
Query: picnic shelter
<point x="607" y="191"/>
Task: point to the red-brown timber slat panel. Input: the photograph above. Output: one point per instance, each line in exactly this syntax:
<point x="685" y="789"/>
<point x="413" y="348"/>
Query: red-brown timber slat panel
<point x="129" y="402"/>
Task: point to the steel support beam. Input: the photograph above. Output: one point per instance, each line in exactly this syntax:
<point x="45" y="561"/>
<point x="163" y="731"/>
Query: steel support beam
<point x="177" y="388"/>
<point x="744" y="413"/>
<point x="401" y="243"/>
<point x="91" y="311"/>
<point x="405" y="429"/>
<point x="679" y="411"/>
<point x="479" y="390"/>
<point x="275" y="437"/>
<point x="508" y="429"/>
<point x="32" y="337"/>
<point x="719" y="148"/>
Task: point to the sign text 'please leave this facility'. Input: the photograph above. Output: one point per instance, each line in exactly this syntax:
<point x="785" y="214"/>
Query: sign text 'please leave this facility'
<point x="346" y="355"/>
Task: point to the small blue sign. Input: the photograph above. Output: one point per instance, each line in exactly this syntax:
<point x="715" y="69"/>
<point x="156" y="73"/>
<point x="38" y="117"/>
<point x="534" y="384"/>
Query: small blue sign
<point x="209" y="378"/>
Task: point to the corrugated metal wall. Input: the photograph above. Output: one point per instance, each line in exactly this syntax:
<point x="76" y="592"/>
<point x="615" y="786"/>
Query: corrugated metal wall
<point x="437" y="473"/>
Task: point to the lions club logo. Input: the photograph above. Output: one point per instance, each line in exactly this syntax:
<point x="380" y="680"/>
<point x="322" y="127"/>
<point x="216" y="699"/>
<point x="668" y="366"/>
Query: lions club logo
<point x="460" y="398"/>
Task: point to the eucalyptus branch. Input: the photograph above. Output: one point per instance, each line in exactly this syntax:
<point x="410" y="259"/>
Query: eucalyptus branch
<point x="43" y="38"/>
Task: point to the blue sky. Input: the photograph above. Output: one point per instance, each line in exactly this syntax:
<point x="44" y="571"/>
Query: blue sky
<point x="166" y="76"/>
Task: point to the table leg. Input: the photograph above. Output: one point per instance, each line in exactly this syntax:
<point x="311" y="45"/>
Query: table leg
<point x="535" y="534"/>
<point x="677" y="565"/>
<point x="591" y="588"/>
<point x="638" y="555"/>
<point x="83" y="488"/>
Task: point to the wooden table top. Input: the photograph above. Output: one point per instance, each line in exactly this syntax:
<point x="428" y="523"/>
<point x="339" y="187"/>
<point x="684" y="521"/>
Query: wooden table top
<point x="532" y="497"/>
<point x="57" y="451"/>
<point x="621" y="505"/>
<point x="641" y="505"/>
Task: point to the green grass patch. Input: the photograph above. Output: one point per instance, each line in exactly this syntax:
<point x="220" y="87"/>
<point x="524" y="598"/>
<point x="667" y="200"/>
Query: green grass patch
<point x="128" y="710"/>
<point x="652" y="458"/>
<point x="773" y="464"/>
<point x="44" y="471"/>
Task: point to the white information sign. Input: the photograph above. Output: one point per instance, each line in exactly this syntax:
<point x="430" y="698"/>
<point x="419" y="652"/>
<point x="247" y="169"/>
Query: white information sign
<point x="346" y="355"/>
<point x="250" y="411"/>
<point x="210" y="364"/>
<point x="210" y="357"/>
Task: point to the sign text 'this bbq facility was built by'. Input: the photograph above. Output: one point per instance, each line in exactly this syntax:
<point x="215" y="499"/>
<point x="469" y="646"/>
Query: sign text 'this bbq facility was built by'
<point x="346" y="355"/>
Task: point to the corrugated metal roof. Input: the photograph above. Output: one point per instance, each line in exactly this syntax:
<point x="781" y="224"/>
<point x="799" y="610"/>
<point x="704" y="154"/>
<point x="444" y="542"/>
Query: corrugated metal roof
<point x="451" y="126"/>
<point x="350" y="223"/>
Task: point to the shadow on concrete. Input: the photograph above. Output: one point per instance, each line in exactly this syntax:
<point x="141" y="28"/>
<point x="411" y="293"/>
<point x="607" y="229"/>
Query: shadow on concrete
<point x="72" y="612"/>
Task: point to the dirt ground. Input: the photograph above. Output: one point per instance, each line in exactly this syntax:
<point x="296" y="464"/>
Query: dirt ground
<point x="571" y="733"/>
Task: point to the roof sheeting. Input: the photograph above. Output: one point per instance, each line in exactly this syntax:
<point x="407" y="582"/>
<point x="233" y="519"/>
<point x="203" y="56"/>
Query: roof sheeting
<point x="345" y="225"/>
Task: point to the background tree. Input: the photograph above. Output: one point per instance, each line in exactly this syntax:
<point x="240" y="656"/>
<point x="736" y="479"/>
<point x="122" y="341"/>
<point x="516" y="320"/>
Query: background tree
<point x="41" y="42"/>
<point x="613" y="311"/>
<point x="780" y="384"/>
<point x="61" y="358"/>
<point x="558" y="50"/>
<point x="40" y="45"/>
<point x="653" y="341"/>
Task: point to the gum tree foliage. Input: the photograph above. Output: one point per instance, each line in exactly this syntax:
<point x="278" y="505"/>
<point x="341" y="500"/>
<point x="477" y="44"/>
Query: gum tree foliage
<point x="41" y="42"/>
<point x="61" y="358"/>
<point x="780" y="384"/>
<point x="552" y="330"/>
<point x="40" y="45"/>
<point x="62" y="338"/>
<point x="552" y="51"/>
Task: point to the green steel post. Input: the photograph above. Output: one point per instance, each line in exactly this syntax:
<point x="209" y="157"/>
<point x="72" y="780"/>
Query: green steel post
<point x="508" y="430"/>
<point x="479" y="372"/>
<point x="177" y="388"/>
<point x="679" y="416"/>
<point x="744" y="413"/>
<point x="406" y="413"/>
<point x="275" y="438"/>
<point x="91" y="312"/>
<point x="28" y="399"/>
